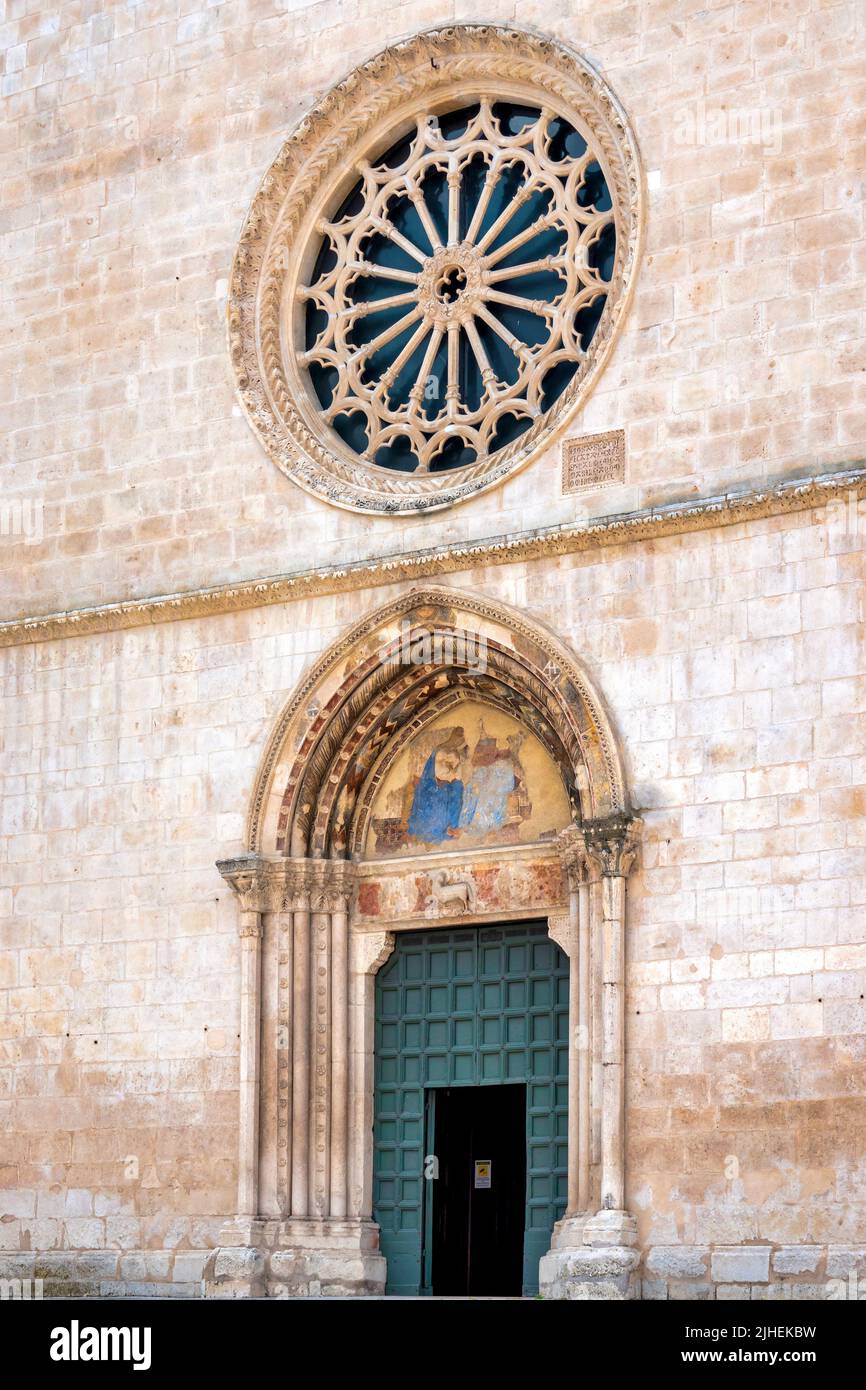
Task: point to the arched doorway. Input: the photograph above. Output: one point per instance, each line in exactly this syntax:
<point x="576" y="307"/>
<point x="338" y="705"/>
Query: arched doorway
<point x="446" y="764"/>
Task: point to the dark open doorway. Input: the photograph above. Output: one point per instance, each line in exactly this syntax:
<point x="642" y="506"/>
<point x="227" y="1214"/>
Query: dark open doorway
<point x="478" y="1198"/>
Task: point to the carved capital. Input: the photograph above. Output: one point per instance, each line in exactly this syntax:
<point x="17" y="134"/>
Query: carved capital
<point x="613" y="843"/>
<point x="577" y="860"/>
<point x="289" y="885"/>
<point x="295" y="885"/>
<point x="247" y="876"/>
<point x="332" y="884"/>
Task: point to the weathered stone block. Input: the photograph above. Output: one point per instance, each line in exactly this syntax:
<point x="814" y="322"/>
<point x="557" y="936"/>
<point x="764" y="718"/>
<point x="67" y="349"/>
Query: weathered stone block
<point x="797" y="1259"/>
<point x="745" y="1264"/>
<point x="235" y="1272"/>
<point x="603" y="1273"/>
<point x="678" y="1262"/>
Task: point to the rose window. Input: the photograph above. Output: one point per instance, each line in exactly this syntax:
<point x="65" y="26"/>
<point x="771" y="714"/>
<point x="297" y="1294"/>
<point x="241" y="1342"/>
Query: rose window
<point x="431" y="275"/>
<point x="458" y="286"/>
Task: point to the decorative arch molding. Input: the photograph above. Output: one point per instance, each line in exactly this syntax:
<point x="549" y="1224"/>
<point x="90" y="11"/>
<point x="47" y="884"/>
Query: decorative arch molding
<point x="317" y="920"/>
<point x="360" y="692"/>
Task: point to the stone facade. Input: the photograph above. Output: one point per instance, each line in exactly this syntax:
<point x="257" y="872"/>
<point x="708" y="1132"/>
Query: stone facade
<point x="724" y="634"/>
<point x="739" y="362"/>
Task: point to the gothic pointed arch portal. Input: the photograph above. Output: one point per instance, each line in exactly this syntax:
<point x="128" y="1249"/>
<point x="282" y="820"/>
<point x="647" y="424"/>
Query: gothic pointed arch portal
<point x="383" y="674"/>
<point x="446" y="762"/>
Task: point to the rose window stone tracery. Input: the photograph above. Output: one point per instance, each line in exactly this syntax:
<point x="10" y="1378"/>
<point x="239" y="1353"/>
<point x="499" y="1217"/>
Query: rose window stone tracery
<point x="458" y="287"/>
<point x="432" y="274"/>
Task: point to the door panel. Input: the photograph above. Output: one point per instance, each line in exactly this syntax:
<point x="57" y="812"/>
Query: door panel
<point x="468" y="1007"/>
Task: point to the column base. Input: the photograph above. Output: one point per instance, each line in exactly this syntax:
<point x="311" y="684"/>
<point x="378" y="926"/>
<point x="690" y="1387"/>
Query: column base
<point x="236" y="1269"/>
<point x="610" y="1228"/>
<point x="297" y="1258"/>
<point x="592" y="1257"/>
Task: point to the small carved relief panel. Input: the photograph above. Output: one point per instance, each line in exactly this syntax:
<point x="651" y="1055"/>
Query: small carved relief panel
<point x="516" y="883"/>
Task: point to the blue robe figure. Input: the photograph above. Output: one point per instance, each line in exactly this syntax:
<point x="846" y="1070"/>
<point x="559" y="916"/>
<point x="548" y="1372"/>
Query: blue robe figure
<point x="436" y="805"/>
<point x="485" y="805"/>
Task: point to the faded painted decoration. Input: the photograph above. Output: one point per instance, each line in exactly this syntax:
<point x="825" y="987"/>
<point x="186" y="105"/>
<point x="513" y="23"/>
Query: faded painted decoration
<point x="475" y="778"/>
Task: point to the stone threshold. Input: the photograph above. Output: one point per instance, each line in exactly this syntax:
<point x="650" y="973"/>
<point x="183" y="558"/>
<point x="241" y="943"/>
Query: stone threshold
<point x="649" y="523"/>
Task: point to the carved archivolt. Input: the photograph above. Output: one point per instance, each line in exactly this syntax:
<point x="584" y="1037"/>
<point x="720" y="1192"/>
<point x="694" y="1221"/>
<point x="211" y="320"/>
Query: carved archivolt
<point x="433" y="270"/>
<point x="360" y="700"/>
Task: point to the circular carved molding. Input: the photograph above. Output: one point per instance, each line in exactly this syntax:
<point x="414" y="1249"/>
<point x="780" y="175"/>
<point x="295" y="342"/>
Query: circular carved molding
<point x="331" y="407"/>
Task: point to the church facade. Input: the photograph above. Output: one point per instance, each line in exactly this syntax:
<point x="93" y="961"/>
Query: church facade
<point x="434" y="774"/>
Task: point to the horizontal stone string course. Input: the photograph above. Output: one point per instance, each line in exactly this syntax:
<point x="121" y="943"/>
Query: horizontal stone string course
<point x="799" y="494"/>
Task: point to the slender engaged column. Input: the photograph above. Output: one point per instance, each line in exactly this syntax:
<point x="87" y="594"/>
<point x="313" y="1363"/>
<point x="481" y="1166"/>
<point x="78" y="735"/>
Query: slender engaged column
<point x="246" y="877"/>
<point x="613" y="1046"/>
<point x="369" y="952"/>
<point x="320" y="1060"/>
<point x="577" y="867"/>
<point x="301" y="1058"/>
<point x="613" y="844"/>
<point x="250" y="1052"/>
<point x="595" y="1067"/>
<point x="340" y="1061"/>
<point x="585" y="1044"/>
<point x="574" y="1058"/>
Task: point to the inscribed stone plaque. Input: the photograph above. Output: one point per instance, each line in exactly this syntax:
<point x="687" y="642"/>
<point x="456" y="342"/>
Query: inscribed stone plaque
<point x="596" y="460"/>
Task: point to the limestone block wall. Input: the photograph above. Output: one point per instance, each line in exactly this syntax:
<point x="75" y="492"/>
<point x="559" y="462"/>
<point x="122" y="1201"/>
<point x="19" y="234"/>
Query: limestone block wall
<point x="134" y="140"/>
<point x="733" y="664"/>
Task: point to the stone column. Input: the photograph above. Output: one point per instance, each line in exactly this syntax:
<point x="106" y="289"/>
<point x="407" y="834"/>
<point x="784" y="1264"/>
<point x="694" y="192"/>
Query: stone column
<point x="237" y="1269"/>
<point x="581" y="873"/>
<point x="319" y="1122"/>
<point x="613" y="845"/>
<point x="250" y="1053"/>
<point x="577" y="868"/>
<point x="298" y="1139"/>
<point x="595" y="1257"/>
<point x="250" y="886"/>
<point x="341" y="1059"/>
<point x="571" y="934"/>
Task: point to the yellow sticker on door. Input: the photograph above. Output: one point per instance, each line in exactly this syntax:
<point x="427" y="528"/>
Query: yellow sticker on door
<point x="483" y="1172"/>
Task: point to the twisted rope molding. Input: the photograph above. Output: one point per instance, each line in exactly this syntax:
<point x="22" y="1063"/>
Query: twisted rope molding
<point x="650" y="523"/>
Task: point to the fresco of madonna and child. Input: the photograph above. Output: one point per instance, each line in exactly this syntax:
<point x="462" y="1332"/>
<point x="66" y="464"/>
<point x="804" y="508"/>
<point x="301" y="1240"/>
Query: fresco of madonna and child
<point x="483" y="781"/>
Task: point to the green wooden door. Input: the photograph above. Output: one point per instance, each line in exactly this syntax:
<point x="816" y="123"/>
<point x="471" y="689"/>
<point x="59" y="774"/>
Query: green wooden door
<point x="469" y="1006"/>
